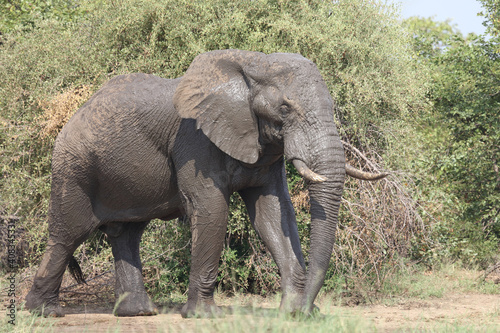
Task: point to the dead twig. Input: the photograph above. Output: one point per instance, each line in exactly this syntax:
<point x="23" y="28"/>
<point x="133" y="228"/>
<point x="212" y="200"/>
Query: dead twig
<point x="360" y="154"/>
<point x="489" y="271"/>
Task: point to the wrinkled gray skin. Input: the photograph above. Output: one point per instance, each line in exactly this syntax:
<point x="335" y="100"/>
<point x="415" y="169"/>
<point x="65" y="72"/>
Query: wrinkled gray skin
<point x="145" y="147"/>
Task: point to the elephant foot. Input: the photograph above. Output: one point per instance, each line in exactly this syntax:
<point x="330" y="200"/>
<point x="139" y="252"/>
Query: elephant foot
<point x="292" y="304"/>
<point x="41" y="308"/>
<point x="134" y="304"/>
<point x="48" y="311"/>
<point x="204" y="309"/>
<point x="308" y="312"/>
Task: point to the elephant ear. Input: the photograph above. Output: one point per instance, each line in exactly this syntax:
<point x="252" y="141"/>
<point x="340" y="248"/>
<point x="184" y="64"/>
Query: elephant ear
<point x="216" y="91"/>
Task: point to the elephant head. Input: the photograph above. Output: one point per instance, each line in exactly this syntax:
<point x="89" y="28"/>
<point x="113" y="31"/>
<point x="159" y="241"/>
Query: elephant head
<point x="252" y="105"/>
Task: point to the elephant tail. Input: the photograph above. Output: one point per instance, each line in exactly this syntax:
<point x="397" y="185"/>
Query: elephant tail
<point x="76" y="271"/>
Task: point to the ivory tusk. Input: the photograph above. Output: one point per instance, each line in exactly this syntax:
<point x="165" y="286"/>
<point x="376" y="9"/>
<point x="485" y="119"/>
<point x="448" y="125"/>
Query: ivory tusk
<point x="351" y="171"/>
<point x="307" y="173"/>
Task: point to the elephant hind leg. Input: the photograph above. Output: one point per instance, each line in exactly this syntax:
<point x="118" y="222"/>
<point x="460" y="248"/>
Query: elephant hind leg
<point x="70" y="223"/>
<point x="43" y="298"/>
<point x="131" y="296"/>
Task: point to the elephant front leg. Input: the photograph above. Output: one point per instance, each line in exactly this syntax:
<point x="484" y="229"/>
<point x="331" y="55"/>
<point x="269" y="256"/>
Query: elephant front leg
<point x="271" y="212"/>
<point x="208" y="228"/>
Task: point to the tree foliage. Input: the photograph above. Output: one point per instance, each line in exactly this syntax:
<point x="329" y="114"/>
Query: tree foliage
<point x="25" y="14"/>
<point x="368" y="59"/>
<point x="492" y="16"/>
<point x="430" y="37"/>
<point x="465" y="96"/>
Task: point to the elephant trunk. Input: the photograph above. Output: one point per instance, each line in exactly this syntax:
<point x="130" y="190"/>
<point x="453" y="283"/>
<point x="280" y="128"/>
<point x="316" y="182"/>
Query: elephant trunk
<point x="325" y="202"/>
<point x="322" y="163"/>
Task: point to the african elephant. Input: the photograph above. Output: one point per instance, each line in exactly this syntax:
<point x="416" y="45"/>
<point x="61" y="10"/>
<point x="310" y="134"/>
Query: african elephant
<point x="145" y="147"/>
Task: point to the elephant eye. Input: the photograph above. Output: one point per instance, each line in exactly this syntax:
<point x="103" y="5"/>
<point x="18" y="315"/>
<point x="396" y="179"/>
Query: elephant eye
<point x="284" y="109"/>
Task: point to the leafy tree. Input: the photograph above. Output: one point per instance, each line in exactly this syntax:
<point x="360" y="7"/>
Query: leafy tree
<point x="23" y="14"/>
<point x="465" y="96"/>
<point x="430" y="37"/>
<point x="492" y="15"/>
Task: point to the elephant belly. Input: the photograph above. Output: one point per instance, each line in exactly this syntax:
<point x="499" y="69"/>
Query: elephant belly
<point x="140" y="211"/>
<point x="137" y="190"/>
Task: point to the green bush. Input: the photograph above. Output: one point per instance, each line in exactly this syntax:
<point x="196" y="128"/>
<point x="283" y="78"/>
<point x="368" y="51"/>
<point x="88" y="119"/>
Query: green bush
<point x="24" y="15"/>
<point x="359" y="46"/>
<point x="461" y="140"/>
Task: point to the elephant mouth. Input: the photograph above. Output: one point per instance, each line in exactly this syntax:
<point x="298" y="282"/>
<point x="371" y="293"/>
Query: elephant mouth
<point x="307" y="173"/>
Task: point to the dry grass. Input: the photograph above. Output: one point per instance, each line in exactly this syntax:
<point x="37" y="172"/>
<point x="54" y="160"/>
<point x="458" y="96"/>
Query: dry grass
<point x="300" y="199"/>
<point x="58" y="110"/>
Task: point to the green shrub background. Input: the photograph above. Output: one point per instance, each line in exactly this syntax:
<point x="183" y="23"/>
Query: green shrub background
<point x="390" y="85"/>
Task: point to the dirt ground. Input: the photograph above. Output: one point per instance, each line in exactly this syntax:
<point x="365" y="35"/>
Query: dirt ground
<point x="455" y="310"/>
<point x="472" y="310"/>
